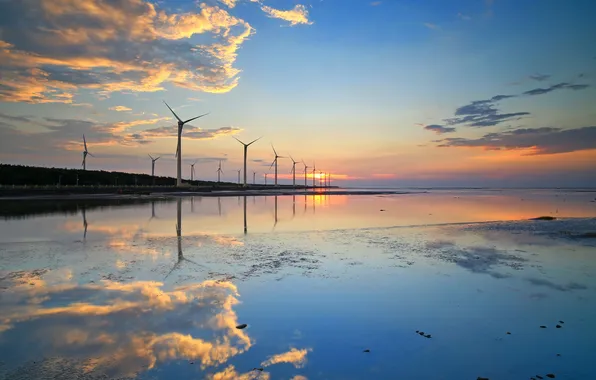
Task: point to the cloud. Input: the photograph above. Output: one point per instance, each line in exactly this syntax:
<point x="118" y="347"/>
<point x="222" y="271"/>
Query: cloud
<point x="295" y="16"/>
<point x="542" y="141"/>
<point x="483" y="113"/>
<point x="230" y="373"/>
<point x="376" y="3"/>
<point x="229" y="3"/>
<point x="294" y="356"/>
<point x="190" y="132"/>
<point x="540" y="77"/>
<point x="432" y="26"/>
<point x="113" y="46"/>
<point x="558" y="86"/>
<point x="439" y="129"/>
<point x="463" y="16"/>
<point x="120" y="108"/>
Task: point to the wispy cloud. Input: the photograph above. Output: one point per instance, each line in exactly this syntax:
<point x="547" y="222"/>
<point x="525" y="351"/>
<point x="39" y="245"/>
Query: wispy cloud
<point x="463" y="16"/>
<point x="541" y="141"/>
<point x="140" y="50"/>
<point x="190" y="132"/>
<point x="483" y="113"/>
<point x="439" y="129"/>
<point x="432" y="26"/>
<point x="539" y="77"/>
<point x="376" y="3"/>
<point x="294" y="356"/>
<point x="297" y="15"/>
<point x="558" y="86"/>
<point x="229" y="3"/>
<point x="120" y="109"/>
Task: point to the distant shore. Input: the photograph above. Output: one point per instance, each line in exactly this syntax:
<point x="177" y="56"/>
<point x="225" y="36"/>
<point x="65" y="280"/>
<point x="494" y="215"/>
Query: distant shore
<point x="156" y="192"/>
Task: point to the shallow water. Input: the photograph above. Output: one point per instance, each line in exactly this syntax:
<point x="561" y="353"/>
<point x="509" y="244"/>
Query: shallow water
<point x="155" y="289"/>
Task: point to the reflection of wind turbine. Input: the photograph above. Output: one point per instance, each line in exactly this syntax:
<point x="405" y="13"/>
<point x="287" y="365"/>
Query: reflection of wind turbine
<point x="179" y="148"/>
<point x="245" y="153"/>
<point x="85" y="153"/>
<point x="219" y="205"/>
<point x="245" y="226"/>
<point x="219" y="172"/>
<point x="293" y="171"/>
<point x="153" y="211"/>
<point x="153" y="167"/>
<point x="275" y="211"/>
<point x="84" y="212"/>
<point x="254" y="176"/>
<point x="266" y="177"/>
<point x="305" y="172"/>
<point x="179" y="238"/>
<point x="275" y="163"/>
<point x="192" y="170"/>
<point x="293" y="206"/>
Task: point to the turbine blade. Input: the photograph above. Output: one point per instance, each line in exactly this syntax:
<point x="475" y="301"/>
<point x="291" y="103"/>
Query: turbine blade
<point x="90" y="154"/>
<point x="150" y="157"/>
<point x="239" y="141"/>
<point x="172" y="111"/>
<point x="254" y="141"/>
<point x="157" y="158"/>
<point x="274" y="150"/>
<point x="177" y="149"/>
<point x="205" y="114"/>
<point x="273" y="163"/>
<point x="85" y="143"/>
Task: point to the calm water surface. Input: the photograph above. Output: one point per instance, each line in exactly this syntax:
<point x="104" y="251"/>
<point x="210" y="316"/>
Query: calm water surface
<point x="155" y="289"/>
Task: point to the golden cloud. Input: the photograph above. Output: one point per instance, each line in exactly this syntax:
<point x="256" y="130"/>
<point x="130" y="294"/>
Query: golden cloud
<point x="295" y="16"/>
<point x="294" y="356"/>
<point x="120" y="108"/>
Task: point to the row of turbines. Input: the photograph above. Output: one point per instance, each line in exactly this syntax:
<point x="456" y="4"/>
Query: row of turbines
<point x="324" y="178"/>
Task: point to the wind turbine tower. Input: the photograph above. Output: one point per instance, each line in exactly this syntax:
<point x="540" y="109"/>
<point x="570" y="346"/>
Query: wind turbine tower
<point x="219" y="171"/>
<point x="245" y="153"/>
<point x="85" y="153"/>
<point x="153" y="167"/>
<point x="305" y="172"/>
<point x="179" y="148"/>
<point x="192" y="170"/>
<point x="275" y="163"/>
<point x="314" y="172"/>
<point x="239" y="177"/>
<point x="266" y="178"/>
<point x="293" y="171"/>
<point x="254" y="176"/>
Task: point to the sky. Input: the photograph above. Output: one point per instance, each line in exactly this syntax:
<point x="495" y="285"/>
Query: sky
<point x="376" y="93"/>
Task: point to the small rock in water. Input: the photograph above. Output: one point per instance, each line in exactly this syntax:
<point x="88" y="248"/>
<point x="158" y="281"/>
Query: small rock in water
<point x="240" y="327"/>
<point x="427" y="336"/>
<point x="551" y="375"/>
<point x="367" y="350"/>
<point x="561" y="322"/>
<point x="417" y="331"/>
<point x="258" y="369"/>
<point x="539" y="377"/>
<point x="558" y="326"/>
<point x="508" y="333"/>
<point x="482" y="378"/>
<point x="421" y="333"/>
<point x="558" y="354"/>
<point x="542" y="327"/>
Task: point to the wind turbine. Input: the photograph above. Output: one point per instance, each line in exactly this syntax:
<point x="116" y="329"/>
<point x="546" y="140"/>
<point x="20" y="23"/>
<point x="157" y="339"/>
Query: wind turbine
<point x="314" y="171"/>
<point x="245" y="153"/>
<point x="192" y="170"/>
<point x="275" y="163"/>
<point x="179" y="148"/>
<point x="254" y="176"/>
<point x="293" y="171"/>
<point x="85" y="153"/>
<point x="219" y="172"/>
<point x="320" y="178"/>
<point x="329" y="180"/>
<point x="153" y="167"/>
<point x="239" y="177"/>
<point x="266" y="178"/>
<point x="305" y="172"/>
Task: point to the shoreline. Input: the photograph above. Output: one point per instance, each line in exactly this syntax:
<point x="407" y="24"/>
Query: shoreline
<point x="217" y="193"/>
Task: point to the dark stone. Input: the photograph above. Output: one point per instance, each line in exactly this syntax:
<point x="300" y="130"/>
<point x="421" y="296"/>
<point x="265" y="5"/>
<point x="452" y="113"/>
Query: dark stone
<point x="558" y="326"/>
<point x="240" y="327"/>
<point x="421" y="333"/>
<point x="561" y="322"/>
<point x="417" y="331"/>
<point x="482" y="378"/>
<point x="381" y="210"/>
<point x="427" y="336"/>
<point x="258" y="369"/>
<point x="508" y="333"/>
<point x="539" y="377"/>
<point x="558" y="354"/>
<point x="367" y="350"/>
<point x="542" y="327"/>
<point x="551" y="375"/>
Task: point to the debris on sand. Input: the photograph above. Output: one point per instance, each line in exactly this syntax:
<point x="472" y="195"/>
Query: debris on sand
<point x="544" y="218"/>
<point x="381" y="210"/>
<point x="240" y="327"/>
<point x="367" y="350"/>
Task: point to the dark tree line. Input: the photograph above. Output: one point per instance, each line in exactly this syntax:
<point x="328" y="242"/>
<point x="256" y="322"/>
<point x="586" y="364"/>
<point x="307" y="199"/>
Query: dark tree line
<point x="20" y="175"/>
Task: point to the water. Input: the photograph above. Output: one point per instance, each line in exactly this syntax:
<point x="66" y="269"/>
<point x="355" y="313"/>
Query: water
<point x="155" y="289"/>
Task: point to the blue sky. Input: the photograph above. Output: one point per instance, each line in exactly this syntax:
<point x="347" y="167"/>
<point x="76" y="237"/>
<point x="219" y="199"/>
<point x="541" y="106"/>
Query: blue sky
<point x="384" y="93"/>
